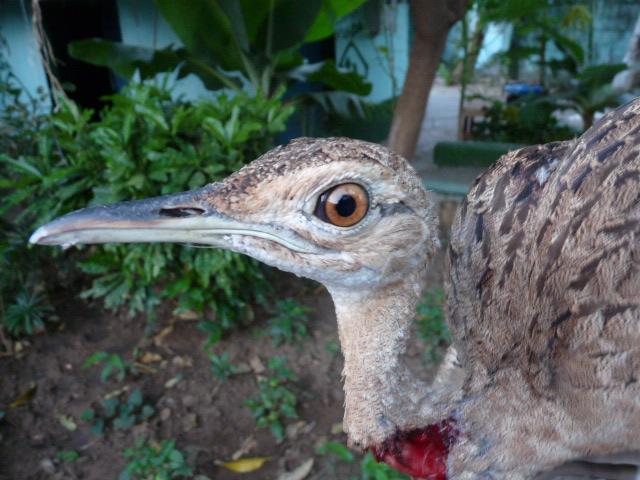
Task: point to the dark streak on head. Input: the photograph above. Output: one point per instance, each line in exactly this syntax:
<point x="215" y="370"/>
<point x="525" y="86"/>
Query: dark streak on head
<point x="580" y="178"/>
<point x="609" y="150"/>
<point x="479" y="227"/>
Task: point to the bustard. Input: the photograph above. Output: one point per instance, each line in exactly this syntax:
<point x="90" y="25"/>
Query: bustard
<point x="543" y="290"/>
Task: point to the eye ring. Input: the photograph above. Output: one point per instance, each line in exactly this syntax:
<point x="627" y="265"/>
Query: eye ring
<point x="343" y="205"/>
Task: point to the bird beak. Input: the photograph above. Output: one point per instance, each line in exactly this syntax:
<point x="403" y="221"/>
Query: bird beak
<point x="186" y="217"/>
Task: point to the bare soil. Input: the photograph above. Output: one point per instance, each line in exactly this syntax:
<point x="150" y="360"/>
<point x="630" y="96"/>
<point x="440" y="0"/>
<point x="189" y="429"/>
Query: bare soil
<point x="205" y="416"/>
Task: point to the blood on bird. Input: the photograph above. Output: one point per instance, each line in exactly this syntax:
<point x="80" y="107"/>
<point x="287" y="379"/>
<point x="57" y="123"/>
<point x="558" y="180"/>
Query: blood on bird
<point x="421" y="453"/>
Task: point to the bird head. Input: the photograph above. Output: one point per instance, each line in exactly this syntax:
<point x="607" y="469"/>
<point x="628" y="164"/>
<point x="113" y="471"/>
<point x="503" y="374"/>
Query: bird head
<point x="349" y="214"/>
<point x="338" y="211"/>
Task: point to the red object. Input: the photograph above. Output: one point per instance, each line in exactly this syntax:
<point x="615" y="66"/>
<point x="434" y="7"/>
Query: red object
<point x="421" y="453"/>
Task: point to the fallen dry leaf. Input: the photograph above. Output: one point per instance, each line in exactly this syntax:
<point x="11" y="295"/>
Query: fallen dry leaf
<point x="116" y="393"/>
<point x="256" y="364"/>
<point x="172" y="382"/>
<point x="159" y="338"/>
<point x="187" y="315"/>
<point x="25" y="396"/>
<point x="299" y="473"/>
<point x="67" y="422"/>
<point x="248" y="444"/>
<point x="182" y="362"/>
<point x="244" y="465"/>
<point x="337" y="429"/>
<point x="150" y="357"/>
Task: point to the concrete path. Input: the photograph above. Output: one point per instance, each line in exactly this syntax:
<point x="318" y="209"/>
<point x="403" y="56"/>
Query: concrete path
<point x="441" y="124"/>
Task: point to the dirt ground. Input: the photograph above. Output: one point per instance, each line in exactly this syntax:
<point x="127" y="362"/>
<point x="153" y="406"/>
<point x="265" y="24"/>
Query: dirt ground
<point x="205" y="416"/>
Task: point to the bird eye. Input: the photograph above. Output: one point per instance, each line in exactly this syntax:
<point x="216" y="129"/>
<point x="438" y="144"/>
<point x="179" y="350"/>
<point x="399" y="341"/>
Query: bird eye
<point x="343" y="205"/>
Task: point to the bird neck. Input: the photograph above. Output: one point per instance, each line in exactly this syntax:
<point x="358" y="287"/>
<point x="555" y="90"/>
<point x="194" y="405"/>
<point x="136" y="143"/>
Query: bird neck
<point x="382" y="396"/>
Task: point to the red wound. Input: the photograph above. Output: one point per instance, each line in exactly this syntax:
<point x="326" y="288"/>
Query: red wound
<point x="421" y="453"/>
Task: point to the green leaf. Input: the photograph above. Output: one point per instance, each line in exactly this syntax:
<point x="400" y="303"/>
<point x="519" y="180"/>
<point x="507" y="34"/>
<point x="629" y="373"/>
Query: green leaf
<point x="330" y="12"/>
<point x="135" y="398"/>
<point x="147" y="411"/>
<point x="292" y="20"/>
<point x="124" y="421"/>
<point x="110" y="406"/>
<point x="68" y="456"/>
<point x="338" y="449"/>
<point x="98" y="427"/>
<point x="328" y="74"/>
<point x="597" y="76"/>
<point x="206" y="30"/>
<point x="88" y="415"/>
<point x="94" y="359"/>
<point x="126" y="59"/>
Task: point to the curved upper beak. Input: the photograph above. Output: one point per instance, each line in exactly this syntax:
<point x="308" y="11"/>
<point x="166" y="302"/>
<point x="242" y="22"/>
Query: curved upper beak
<point x="186" y="217"/>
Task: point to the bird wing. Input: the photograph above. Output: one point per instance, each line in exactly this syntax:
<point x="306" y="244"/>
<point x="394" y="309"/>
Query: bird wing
<point x="544" y="261"/>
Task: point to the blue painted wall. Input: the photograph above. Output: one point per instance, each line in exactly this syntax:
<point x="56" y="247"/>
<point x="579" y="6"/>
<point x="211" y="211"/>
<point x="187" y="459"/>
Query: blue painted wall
<point x="141" y="24"/>
<point x="22" y="53"/>
<point x="383" y="57"/>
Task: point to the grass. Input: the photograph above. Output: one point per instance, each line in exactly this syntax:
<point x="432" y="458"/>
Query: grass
<point x="370" y="469"/>
<point x="289" y="325"/>
<point x="155" y="461"/>
<point x="432" y="328"/>
<point x="275" y="401"/>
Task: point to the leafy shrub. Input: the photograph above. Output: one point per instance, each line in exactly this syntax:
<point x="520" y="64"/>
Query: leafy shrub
<point x="275" y="401"/>
<point x="27" y="314"/>
<point x="68" y="456"/>
<point x="155" y="461"/>
<point x="19" y="119"/>
<point x="221" y="367"/>
<point x="121" y="414"/>
<point x="529" y="120"/>
<point x="432" y="328"/>
<point x="112" y="364"/>
<point x="290" y="322"/>
<point x="370" y="469"/>
<point x="145" y="144"/>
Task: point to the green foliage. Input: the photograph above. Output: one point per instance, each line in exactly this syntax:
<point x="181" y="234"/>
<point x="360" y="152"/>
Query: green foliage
<point x="221" y="367"/>
<point x="432" y="328"/>
<point x="145" y="144"/>
<point x="67" y="456"/>
<point x="24" y="306"/>
<point x="113" y="364"/>
<point x="152" y="461"/>
<point x="19" y="119"/>
<point x="529" y="120"/>
<point x="590" y="91"/>
<point x="535" y="28"/>
<point x="230" y="44"/>
<point x="28" y="312"/>
<point x="370" y="469"/>
<point x="275" y="400"/>
<point x="289" y="325"/>
<point x="121" y="414"/>
<point x="337" y="449"/>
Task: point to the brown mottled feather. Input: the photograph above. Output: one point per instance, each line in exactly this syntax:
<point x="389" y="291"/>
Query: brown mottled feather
<point x="544" y="284"/>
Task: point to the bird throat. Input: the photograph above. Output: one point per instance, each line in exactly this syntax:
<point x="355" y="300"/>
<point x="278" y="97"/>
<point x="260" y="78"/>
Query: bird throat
<point x="384" y="402"/>
<point x="421" y="453"/>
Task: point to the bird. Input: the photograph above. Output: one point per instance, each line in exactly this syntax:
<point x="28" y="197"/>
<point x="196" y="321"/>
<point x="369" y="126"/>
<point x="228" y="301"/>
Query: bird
<point x="542" y="290"/>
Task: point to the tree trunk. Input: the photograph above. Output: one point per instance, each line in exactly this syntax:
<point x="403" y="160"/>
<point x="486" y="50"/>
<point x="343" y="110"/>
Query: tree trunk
<point x="628" y="79"/>
<point x="432" y="20"/>
<point x="473" y="48"/>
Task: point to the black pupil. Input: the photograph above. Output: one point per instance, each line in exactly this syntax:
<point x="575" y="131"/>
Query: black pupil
<point x="346" y="206"/>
